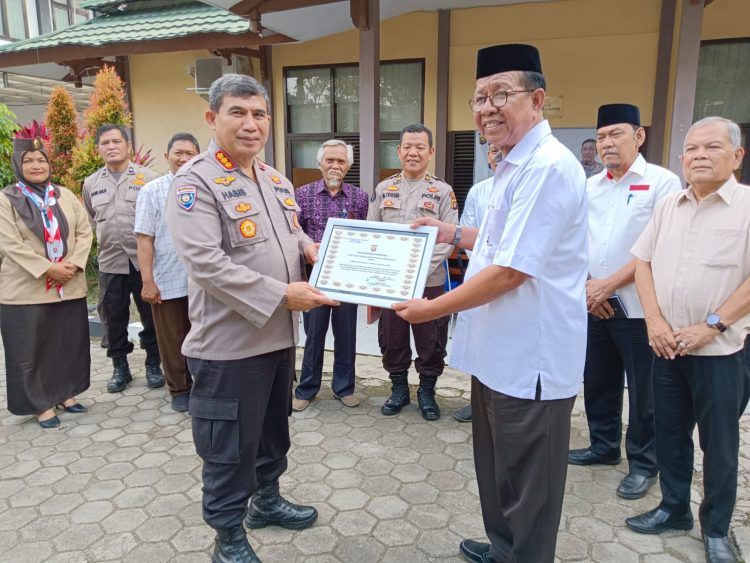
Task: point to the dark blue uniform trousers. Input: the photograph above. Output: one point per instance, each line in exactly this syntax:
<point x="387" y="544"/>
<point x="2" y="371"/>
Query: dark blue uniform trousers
<point x="712" y="392"/>
<point x="240" y="411"/>
<point x="616" y="346"/>
<point x="316" y="322"/>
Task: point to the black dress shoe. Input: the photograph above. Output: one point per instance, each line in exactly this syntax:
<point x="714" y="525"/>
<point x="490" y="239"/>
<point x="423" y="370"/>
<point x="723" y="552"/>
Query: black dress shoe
<point x="75" y="408"/>
<point x="635" y="486"/>
<point x="181" y="402"/>
<point x="478" y="552"/>
<point x="586" y="456"/>
<point x="719" y="550"/>
<point x="659" y="520"/>
<point x="53" y="422"/>
<point x="463" y="414"/>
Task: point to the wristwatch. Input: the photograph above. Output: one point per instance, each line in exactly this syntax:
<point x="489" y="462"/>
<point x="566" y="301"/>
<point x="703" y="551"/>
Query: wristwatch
<point x="458" y="235"/>
<point x="714" y="321"/>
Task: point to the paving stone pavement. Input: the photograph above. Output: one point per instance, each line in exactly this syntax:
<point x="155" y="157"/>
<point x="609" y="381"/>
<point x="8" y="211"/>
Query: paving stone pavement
<point x="123" y="483"/>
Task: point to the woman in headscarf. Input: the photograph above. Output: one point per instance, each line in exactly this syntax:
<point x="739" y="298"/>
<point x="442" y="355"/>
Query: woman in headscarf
<point x="45" y="239"/>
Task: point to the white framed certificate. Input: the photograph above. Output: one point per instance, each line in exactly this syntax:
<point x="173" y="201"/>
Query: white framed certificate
<point x="373" y="263"/>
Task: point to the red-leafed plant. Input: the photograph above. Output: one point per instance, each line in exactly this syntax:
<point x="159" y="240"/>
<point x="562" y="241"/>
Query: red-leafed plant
<point x="62" y="123"/>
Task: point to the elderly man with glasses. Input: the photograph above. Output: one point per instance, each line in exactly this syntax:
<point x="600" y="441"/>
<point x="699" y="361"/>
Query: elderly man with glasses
<point x="521" y="332"/>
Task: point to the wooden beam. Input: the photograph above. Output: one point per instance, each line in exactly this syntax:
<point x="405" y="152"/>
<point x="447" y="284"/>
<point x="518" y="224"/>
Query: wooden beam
<point x="247" y="7"/>
<point x="686" y="77"/>
<point x="266" y="70"/>
<point x="369" y="100"/>
<point x="189" y="43"/>
<point x="227" y="53"/>
<point x="657" y="134"/>
<point x="443" y="64"/>
<point x="360" y="10"/>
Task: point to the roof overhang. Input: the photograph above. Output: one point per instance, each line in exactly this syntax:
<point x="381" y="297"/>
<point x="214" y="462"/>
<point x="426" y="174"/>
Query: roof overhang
<point x="65" y="54"/>
<point x="304" y="20"/>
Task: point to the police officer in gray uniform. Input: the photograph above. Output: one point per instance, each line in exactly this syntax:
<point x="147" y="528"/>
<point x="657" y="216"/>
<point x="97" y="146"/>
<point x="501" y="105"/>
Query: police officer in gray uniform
<point x="402" y="198"/>
<point x="233" y="220"/>
<point x="109" y="196"/>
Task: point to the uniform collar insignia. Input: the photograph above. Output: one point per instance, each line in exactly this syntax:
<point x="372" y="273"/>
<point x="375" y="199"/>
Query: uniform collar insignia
<point x="223" y="159"/>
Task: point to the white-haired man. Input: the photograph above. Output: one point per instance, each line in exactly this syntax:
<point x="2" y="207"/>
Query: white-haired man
<point x="693" y="278"/>
<point x="329" y="197"/>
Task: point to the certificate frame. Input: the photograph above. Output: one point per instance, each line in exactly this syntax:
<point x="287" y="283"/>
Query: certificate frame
<point x="372" y="263"/>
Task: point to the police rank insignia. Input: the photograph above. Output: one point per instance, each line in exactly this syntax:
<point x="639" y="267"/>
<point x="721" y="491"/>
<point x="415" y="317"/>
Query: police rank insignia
<point x="248" y="229"/>
<point x="433" y="189"/>
<point x="454" y="203"/>
<point x="289" y="201"/>
<point x="427" y="178"/>
<point x="295" y="221"/>
<point x="276" y="180"/>
<point x="392" y="188"/>
<point x="186" y="197"/>
<point x="140" y="175"/>
<point x="224" y="180"/>
<point x="242" y="207"/>
<point x="223" y="159"/>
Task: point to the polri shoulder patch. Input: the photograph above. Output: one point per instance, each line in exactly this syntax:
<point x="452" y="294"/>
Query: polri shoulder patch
<point x="186" y="196"/>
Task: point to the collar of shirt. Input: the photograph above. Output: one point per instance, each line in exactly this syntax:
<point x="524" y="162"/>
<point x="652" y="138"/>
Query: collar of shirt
<point x="638" y="167"/>
<point x="525" y="147"/>
<point x="725" y="192"/>
<point x="321" y="187"/>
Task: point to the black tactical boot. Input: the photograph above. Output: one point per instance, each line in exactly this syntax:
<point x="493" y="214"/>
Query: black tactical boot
<point x="232" y="547"/>
<point x="399" y="395"/>
<point x="426" y="397"/>
<point x="269" y="508"/>
<point x="154" y="375"/>
<point x="121" y="376"/>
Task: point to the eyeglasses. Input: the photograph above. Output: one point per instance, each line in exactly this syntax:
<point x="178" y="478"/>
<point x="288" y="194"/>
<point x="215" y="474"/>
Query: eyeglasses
<point x="497" y="99"/>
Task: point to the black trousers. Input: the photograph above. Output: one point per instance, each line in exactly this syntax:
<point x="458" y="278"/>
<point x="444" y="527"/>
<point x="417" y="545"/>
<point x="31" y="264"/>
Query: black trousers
<point x="712" y="392"/>
<point x="430" y="339"/>
<point x="344" y="320"/>
<point x="240" y="411"/>
<point x="618" y="346"/>
<point x="115" y="291"/>
<point x="520" y="455"/>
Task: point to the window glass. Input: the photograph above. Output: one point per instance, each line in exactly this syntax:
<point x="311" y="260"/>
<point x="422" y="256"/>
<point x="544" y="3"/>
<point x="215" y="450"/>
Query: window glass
<point x="16" y="21"/>
<point x="347" y="99"/>
<point x="61" y="17"/>
<point x="308" y="95"/>
<point x="723" y="81"/>
<point x="400" y="95"/>
<point x="305" y="153"/>
<point x="388" y="155"/>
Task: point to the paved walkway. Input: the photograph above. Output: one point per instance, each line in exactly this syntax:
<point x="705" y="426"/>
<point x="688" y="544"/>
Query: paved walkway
<point x="122" y="483"/>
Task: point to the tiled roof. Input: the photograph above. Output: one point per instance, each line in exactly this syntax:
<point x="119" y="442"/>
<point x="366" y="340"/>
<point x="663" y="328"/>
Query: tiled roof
<point x="140" y="21"/>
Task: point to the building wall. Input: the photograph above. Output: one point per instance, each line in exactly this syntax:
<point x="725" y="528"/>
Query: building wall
<point x="411" y="36"/>
<point x="593" y="52"/>
<point x="726" y="19"/>
<point x="161" y="102"/>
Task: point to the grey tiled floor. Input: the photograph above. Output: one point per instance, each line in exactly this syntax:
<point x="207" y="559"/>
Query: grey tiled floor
<point x="122" y="483"/>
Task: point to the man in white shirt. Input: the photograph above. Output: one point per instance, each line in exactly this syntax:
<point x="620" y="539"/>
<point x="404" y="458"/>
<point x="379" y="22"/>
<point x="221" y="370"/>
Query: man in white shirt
<point x="522" y="332"/>
<point x="165" y="284"/>
<point x="621" y="202"/>
<point x="475" y="207"/>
